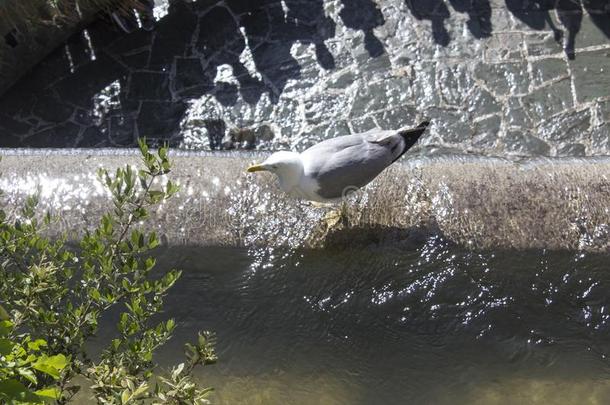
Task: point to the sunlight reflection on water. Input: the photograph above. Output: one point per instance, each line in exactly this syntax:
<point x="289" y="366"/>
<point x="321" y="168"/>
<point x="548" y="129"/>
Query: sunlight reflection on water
<point x="438" y="324"/>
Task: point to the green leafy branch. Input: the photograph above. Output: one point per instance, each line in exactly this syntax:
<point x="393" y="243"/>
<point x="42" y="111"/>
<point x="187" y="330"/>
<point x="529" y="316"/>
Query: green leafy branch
<point x="59" y="291"/>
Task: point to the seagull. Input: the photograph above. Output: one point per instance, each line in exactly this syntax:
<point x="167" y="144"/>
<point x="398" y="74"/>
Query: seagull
<point x="329" y="170"/>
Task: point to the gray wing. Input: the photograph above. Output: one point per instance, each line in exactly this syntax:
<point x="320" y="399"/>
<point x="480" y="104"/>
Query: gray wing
<point x="350" y="161"/>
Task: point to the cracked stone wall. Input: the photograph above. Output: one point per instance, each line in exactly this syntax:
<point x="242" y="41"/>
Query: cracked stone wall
<point x="497" y="77"/>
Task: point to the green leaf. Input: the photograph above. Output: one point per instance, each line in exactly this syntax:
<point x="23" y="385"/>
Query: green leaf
<point x="162" y="152"/>
<point x="52" y="365"/>
<point x="170" y="324"/>
<point x="125" y="396"/>
<point x="171" y="188"/>
<point x="166" y="166"/>
<point x="4" y="316"/>
<point x="107" y="224"/>
<point x="177" y="371"/>
<point x="153" y="242"/>
<point x="50" y="393"/>
<point x="135" y="237"/>
<point x="142" y="389"/>
<point x="5" y="328"/>
<point x="156" y="195"/>
<point x="143" y="146"/>
<point x="45" y="368"/>
<point x="95" y="294"/>
<point x="16" y="391"/>
<point x="37" y="344"/>
<point x="140" y="213"/>
<point x="28" y="375"/>
<point x="150" y="263"/>
<point x="6" y="346"/>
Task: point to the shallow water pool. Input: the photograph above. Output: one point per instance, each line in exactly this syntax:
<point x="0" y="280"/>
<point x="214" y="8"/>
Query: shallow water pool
<point x="377" y="325"/>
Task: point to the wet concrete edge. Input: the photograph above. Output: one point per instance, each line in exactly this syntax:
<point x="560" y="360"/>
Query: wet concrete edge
<point x="476" y="201"/>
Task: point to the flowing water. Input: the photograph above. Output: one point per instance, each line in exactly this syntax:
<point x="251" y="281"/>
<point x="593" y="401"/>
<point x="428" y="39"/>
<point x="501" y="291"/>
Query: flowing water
<point x="436" y="324"/>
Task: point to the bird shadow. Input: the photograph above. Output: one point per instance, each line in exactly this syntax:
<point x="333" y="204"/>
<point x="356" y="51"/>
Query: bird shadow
<point x="380" y="236"/>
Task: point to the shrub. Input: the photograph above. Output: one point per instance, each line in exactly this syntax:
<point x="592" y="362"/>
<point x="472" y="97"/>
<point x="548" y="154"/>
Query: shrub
<point x="55" y="293"/>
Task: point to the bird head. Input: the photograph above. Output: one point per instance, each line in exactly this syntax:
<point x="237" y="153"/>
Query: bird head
<point x="286" y="165"/>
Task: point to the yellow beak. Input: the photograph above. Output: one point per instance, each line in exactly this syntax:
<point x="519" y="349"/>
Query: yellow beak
<point x="256" y="168"/>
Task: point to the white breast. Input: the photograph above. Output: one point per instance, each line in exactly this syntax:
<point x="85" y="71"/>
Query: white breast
<point x="308" y="190"/>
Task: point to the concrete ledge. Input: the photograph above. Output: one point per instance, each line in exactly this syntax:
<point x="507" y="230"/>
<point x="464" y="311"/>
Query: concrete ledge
<point x="480" y="202"/>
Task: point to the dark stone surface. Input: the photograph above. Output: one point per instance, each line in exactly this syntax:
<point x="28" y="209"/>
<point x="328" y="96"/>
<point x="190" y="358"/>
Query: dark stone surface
<point x="545" y="70"/>
<point x="546" y="101"/>
<point x="600" y="137"/>
<point x="189" y="73"/>
<point x="12" y="127"/>
<point x="50" y="108"/>
<point x="149" y="86"/>
<point x="591" y="71"/>
<point x="158" y="120"/>
<point x="572" y="149"/>
<point x="570" y="127"/>
<point x="123" y="130"/>
<point x="55" y="137"/>
<point x="524" y="143"/>
<point x="91" y="138"/>
<point x="173" y="37"/>
<point x="494" y="75"/>
<point x="80" y="87"/>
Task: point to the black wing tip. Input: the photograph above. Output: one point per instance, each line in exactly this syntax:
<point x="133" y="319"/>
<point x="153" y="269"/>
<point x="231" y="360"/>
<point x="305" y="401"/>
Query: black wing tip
<point x="411" y="136"/>
<point x="424" y="124"/>
<point x="415" y="131"/>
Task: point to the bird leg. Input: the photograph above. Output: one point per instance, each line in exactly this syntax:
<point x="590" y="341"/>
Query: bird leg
<point x="336" y="216"/>
<point x="317" y="204"/>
